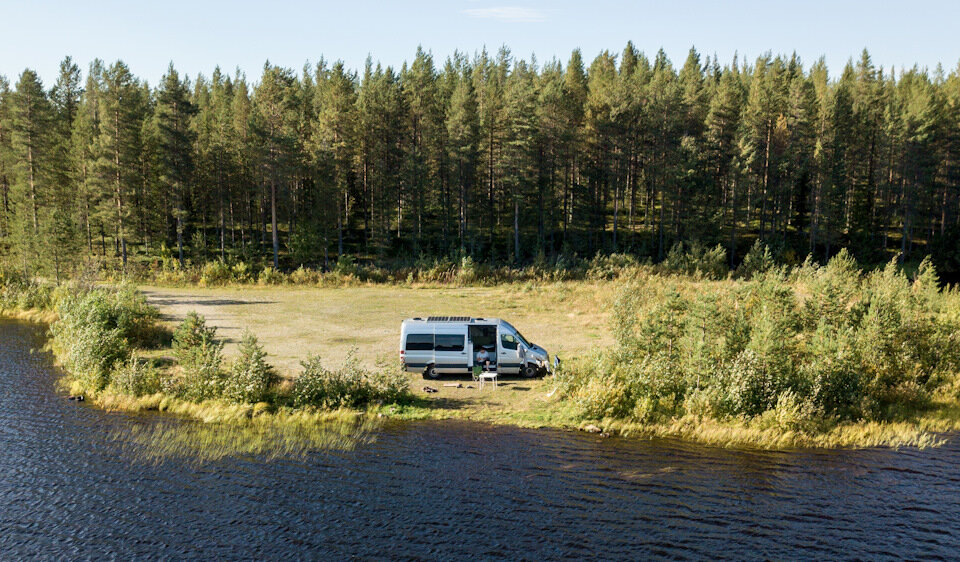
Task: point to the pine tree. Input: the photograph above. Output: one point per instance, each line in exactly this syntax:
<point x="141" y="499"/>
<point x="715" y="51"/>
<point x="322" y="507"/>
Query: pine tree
<point x="520" y="161"/>
<point x="334" y="140"/>
<point x="65" y="98"/>
<point x="462" y="134"/>
<point x="175" y="144"/>
<point x="722" y="125"/>
<point x="7" y="162"/>
<point x="274" y="117"/>
<point x="118" y="142"/>
<point x="32" y="188"/>
<point x="425" y="154"/>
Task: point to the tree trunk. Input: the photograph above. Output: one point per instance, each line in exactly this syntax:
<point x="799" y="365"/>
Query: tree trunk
<point x="516" y="230"/>
<point x="273" y="224"/>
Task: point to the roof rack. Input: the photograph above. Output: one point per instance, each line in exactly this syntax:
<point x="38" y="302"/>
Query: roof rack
<point x="448" y="319"/>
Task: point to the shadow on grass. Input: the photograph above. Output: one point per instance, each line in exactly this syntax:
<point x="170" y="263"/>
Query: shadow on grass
<point x="469" y="378"/>
<point x="163" y="301"/>
<point x="434" y="403"/>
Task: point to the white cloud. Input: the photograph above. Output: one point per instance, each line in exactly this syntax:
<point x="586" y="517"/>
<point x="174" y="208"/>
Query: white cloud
<point x="511" y="14"/>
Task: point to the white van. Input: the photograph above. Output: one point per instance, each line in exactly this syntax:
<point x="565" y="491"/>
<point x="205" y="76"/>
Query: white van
<point x="449" y="344"/>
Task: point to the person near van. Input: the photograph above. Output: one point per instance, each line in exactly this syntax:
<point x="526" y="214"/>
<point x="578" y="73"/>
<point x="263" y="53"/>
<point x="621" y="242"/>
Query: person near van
<point x="483" y="358"/>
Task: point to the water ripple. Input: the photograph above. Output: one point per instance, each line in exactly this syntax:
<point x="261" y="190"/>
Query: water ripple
<point x="76" y="483"/>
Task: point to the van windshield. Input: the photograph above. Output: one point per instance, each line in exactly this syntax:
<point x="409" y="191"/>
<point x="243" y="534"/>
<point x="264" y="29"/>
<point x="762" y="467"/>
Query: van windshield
<point x="520" y="337"/>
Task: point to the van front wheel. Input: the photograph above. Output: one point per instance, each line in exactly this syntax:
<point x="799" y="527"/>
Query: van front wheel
<point x="431" y="372"/>
<point x="530" y="371"/>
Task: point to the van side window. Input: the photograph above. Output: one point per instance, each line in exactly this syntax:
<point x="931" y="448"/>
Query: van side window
<point x="507" y="341"/>
<point x="419" y="342"/>
<point x="449" y="342"/>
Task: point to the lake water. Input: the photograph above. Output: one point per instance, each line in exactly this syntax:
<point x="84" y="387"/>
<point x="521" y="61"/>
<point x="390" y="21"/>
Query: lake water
<point x="75" y="483"/>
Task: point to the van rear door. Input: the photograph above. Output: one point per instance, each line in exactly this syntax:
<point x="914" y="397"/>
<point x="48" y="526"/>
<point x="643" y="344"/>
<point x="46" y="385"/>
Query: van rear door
<point x="418" y="348"/>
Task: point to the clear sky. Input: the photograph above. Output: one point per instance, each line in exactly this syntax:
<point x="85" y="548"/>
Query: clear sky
<point x="197" y="35"/>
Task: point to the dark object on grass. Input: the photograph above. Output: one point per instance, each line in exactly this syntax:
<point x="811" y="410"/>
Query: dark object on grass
<point x="78" y="398"/>
<point x="429" y="389"/>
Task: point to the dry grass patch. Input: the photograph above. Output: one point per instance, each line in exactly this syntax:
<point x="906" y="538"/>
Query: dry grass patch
<point x="293" y="323"/>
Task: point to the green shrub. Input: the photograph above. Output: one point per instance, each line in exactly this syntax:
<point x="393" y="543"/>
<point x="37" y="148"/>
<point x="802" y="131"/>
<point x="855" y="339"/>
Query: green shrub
<point x="826" y="341"/>
<point x="18" y="293"/>
<point x="696" y="260"/>
<point x="250" y="376"/>
<point x="200" y="356"/>
<point x="241" y="272"/>
<point x="304" y="276"/>
<point x="270" y="276"/>
<point x="92" y="334"/>
<point x="350" y="386"/>
<point x="215" y="273"/>
<point x="758" y="260"/>
<point x="832" y="369"/>
<point x="346" y="266"/>
<point x="136" y="377"/>
<point x="610" y="266"/>
<point x="468" y="272"/>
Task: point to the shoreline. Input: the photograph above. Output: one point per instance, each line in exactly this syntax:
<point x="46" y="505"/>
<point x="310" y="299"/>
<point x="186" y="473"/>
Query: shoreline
<point x="931" y="428"/>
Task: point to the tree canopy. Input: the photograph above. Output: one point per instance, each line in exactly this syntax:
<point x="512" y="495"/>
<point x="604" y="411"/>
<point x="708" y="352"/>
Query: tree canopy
<point x="500" y="158"/>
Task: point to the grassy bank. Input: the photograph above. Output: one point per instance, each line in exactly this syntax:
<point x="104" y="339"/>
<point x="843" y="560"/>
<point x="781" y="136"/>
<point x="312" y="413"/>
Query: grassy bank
<point x="808" y="357"/>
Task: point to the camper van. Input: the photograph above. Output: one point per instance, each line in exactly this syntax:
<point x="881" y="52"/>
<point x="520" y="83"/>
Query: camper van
<point x="440" y="345"/>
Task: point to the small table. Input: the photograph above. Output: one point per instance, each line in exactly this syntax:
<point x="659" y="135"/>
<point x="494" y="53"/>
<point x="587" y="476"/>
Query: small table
<point x="490" y="375"/>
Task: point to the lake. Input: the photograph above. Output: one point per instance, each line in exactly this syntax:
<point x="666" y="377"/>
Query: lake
<point x="79" y="482"/>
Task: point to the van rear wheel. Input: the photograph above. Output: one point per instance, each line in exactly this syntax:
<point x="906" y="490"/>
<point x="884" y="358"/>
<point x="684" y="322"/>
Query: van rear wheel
<point x="530" y="371"/>
<point x="431" y="372"/>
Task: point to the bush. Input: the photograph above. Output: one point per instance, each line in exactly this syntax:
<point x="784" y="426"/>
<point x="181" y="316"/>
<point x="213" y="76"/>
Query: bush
<point x="250" y="376"/>
<point x="200" y="356"/>
<point x="136" y="377"/>
<point x="241" y="272"/>
<point x="350" y="386"/>
<point x="270" y="276"/>
<point x="696" y="260"/>
<point x="95" y="329"/>
<point x="304" y="276"/>
<point x="215" y="273"/>
<point x="346" y="266"/>
<point x="87" y="339"/>
<point x="610" y="266"/>
<point x="18" y="293"/>
<point x="825" y="340"/>
<point x="758" y="260"/>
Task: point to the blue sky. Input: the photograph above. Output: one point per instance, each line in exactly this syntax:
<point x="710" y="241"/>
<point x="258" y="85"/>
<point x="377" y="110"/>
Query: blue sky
<point x="197" y="35"/>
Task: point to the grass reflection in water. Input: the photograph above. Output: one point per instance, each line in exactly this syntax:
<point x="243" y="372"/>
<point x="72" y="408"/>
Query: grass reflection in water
<point x="266" y="439"/>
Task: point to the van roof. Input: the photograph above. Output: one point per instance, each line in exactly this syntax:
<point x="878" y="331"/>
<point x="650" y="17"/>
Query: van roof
<point x="454" y="319"/>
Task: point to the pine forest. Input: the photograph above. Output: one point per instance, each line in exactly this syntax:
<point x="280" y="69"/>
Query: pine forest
<point x="489" y="156"/>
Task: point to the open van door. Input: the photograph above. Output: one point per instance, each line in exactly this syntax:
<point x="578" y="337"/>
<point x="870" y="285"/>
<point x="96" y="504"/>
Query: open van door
<point x="508" y="353"/>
